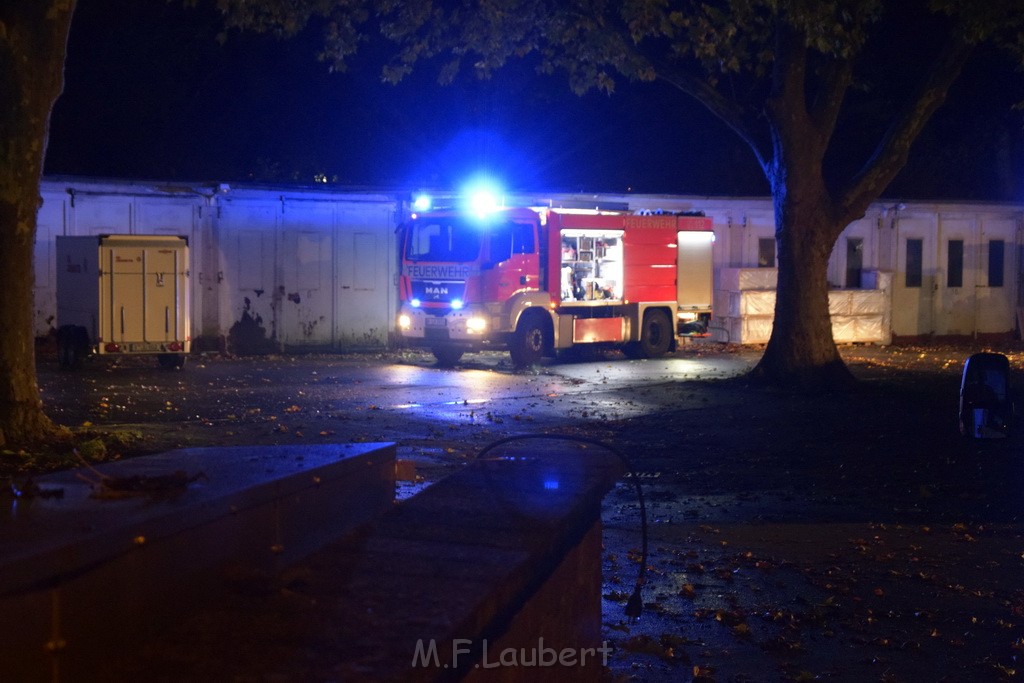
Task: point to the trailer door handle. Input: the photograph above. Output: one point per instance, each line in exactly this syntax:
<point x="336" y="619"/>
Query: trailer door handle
<point x="167" y="319"/>
<point x="122" y="320"/>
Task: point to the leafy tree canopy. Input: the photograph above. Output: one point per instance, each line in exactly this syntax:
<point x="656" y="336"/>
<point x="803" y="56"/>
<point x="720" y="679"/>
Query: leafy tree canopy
<point x="723" y="52"/>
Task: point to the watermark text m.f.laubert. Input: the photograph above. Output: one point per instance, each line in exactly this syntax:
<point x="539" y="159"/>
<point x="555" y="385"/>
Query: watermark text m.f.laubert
<point x="539" y="655"/>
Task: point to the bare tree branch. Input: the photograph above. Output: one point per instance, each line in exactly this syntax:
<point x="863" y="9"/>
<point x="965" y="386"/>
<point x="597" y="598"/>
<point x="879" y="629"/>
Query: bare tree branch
<point x="893" y="150"/>
<point x="789" y="70"/>
<point x="734" y="116"/>
<point x="828" y="101"/>
<point x="797" y="142"/>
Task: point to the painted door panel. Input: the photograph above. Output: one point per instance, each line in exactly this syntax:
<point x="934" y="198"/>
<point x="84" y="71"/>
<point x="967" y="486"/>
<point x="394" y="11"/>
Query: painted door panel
<point x="995" y="301"/>
<point x="124" y="280"/>
<point x="365" y="303"/>
<point x="307" y="302"/>
<point x="956" y="271"/>
<point x="912" y="304"/>
<point x="248" y="239"/>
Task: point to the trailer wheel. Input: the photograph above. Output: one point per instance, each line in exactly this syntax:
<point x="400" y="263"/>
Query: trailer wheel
<point x="530" y="340"/>
<point x="71" y="347"/>
<point x="655" y="337"/>
<point x="447" y="356"/>
<point x="171" y="361"/>
<point x="67" y="355"/>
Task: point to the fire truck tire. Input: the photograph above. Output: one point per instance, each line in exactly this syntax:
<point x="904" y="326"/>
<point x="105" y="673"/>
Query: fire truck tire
<point x="655" y="336"/>
<point x="447" y="356"/>
<point x="530" y="340"/>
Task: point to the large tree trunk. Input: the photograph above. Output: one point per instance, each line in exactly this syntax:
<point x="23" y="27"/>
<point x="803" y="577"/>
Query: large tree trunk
<point x="801" y="350"/>
<point x="33" y="43"/>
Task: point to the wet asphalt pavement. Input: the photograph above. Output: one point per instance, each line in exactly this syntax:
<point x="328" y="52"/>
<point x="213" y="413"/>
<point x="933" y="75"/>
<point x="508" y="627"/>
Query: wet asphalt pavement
<point x="852" y="537"/>
<point x="438" y="417"/>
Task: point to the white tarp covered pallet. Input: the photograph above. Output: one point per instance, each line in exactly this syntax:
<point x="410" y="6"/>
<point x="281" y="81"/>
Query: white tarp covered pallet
<point x="745" y="309"/>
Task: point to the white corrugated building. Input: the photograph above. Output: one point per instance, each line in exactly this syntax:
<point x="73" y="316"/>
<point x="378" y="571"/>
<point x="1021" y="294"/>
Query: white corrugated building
<point x="315" y="268"/>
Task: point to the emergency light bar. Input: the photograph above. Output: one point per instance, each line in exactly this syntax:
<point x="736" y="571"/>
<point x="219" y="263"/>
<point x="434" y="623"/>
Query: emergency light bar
<point x="422" y="202"/>
<point x="480" y="196"/>
<point x="482" y="203"/>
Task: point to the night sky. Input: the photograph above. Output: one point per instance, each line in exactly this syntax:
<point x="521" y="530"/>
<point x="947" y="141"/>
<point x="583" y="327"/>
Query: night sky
<point x="151" y="94"/>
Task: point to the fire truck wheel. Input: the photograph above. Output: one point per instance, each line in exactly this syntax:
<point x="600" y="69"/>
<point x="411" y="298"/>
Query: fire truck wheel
<point x="531" y="339"/>
<point x="447" y="356"/>
<point x="655" y="336"/>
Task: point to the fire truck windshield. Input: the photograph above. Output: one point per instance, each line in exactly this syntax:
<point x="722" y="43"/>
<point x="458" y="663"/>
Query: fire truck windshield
<point x="443" y="240"/>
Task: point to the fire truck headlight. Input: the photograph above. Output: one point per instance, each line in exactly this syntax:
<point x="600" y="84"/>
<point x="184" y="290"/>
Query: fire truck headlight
<point x="476" y="325"/>
<point x="404" y="322"/>
<point x="415" y="303"/>
<point x="457" y="304"/>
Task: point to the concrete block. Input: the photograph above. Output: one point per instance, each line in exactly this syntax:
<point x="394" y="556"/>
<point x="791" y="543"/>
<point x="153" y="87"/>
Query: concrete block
<point x="505" y="553"/>
<point x="82" y="578"/>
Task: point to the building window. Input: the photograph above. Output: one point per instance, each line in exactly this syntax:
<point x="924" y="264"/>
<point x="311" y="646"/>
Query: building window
<point x="995" y="262"/>
<point x="955" y="264"/>
<point x="854" y="261"/>
<point x="915" y="263"/>
<point x="766" y="252"/>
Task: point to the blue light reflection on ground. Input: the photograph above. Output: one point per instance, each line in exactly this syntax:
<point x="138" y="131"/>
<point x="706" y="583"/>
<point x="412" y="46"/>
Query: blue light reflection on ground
<point x="602" y="390"/>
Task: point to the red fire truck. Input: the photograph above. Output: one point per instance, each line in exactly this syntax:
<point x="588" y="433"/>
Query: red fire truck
<point x="536" y="281"/>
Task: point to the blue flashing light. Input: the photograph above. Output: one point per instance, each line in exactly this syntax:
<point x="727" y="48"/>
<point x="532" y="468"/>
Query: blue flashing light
<point x="422" y="202"/>
<point x="457" y="304"/>
<point x="482" y="202"/>
<point x="415" y="303"/>
<point x="482" y="196"/>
